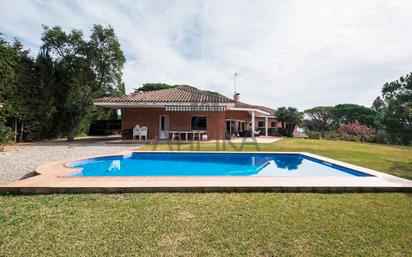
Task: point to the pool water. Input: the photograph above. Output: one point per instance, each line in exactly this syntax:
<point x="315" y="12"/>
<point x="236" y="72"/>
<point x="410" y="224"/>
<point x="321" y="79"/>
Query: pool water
<point x="210" y="164"/>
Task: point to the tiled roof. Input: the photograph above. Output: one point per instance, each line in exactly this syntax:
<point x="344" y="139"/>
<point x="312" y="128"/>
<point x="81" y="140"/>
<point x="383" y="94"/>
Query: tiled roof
<point x="180" y="94"/>
<point x="262" y="108"/>
<point x="176" y="94"/>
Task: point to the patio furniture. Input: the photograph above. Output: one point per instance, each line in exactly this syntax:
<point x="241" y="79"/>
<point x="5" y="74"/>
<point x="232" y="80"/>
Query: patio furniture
<point x="136" y="131"/>
<point x="195" y="134"/>
<point x="127" y="134"/>
<point x="143" y="133"/>
<point x="176" y="135"/>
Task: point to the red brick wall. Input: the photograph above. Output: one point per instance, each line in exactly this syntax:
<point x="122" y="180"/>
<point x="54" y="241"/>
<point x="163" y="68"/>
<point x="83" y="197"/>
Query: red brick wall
<point x="238" y="115"/>
<point x="216" y="124"/>
<point x="216" y="121"/>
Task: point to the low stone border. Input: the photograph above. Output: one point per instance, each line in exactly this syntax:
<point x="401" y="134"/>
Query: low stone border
<point x="52" y="179"/>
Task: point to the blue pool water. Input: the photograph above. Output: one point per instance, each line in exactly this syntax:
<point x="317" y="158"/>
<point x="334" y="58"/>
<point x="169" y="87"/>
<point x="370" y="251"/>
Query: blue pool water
<point x="209" y="164"/>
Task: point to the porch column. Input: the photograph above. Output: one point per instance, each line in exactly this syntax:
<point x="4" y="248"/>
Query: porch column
<point x="266" y="125"/>
<point x="253" y="124"/>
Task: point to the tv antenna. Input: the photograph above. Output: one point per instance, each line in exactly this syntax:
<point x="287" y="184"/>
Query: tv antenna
<point x="234" y="80"/>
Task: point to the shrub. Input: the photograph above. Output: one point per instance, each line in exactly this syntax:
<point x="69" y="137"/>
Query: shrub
<point x="5" y="136"/>
<point x="357" y="132"/>
<point x="285" y="132"/>
<point x="333" y="135"/>
<point x="381" y="137"/>
<point x="313" y="135"/>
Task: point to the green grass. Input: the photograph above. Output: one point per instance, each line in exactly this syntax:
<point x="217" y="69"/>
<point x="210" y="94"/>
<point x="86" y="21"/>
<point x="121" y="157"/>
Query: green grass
<point x="392" y="159"/>
<point x="220" y="224"/>
<point x="212" y="224"/>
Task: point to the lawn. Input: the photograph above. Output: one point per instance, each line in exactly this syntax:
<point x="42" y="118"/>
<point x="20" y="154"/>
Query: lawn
<point x="216" y="224"/>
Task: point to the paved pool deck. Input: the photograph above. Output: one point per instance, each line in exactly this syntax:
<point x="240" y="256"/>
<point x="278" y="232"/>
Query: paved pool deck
<point x="52" y="179"/>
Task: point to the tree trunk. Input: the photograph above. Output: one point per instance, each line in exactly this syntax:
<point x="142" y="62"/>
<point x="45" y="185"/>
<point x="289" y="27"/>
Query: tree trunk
<point x="21" y="132"/>
<point x="15" y="130"/>
<point x="72" y="133"/>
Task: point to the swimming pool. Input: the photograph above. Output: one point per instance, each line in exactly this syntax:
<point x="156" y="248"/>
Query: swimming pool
<point x="210" y="164"/>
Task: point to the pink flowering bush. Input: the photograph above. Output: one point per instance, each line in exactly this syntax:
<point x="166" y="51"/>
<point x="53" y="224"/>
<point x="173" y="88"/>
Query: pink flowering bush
<point x="357" y="132"/>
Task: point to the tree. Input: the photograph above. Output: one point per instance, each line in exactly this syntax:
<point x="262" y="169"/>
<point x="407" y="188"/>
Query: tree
<point x="16" y="75"/>
<point x="321" y="117"/>
<point x="349" y="113"/>
<point x="397" y="116"/>
<point x="378" y="104"/>
<point x="154" y="86"/>
<point x="289" y="118"/>
<point x="82" y="70"/>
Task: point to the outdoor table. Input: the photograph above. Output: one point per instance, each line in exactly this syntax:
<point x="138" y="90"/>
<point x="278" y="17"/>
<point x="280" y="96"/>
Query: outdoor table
<point x="186" y="133"/>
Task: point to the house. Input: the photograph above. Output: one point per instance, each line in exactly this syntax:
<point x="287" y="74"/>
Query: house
<point x="184" y="109"/>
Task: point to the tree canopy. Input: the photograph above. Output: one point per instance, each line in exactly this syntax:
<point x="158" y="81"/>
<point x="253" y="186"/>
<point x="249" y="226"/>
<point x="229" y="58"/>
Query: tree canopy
<point x="289" y="117"/>
<point x="154" y="86"/>
<point x="349" y="113"/>
<point x="52" y="95"/>
<point x="397" y="115"/>
<point x="321" y="117"/>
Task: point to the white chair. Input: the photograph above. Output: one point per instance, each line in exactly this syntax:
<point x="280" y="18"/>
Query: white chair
<point x="143" y="133"/>
<point x="136" y="131"/>
<point x="203" y="137"/>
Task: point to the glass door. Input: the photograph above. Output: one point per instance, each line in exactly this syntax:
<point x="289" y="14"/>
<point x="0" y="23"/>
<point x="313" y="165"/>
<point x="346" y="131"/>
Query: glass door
<point x="164" y="127"/>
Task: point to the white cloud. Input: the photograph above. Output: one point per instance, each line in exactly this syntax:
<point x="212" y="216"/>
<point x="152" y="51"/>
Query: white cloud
<point x="300" y="53"/>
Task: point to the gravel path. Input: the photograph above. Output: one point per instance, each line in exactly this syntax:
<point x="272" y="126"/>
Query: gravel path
<point x="21" y="160"/>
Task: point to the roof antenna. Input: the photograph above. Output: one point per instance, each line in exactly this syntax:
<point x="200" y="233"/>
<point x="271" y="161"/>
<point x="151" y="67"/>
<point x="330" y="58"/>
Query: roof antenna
<point x="234" y="81"/>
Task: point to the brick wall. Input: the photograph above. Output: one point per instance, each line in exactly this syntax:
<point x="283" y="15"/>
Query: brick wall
<point x="216" y="124"/>
<point x="238" y="115"/>
<point x="216" y="121"/>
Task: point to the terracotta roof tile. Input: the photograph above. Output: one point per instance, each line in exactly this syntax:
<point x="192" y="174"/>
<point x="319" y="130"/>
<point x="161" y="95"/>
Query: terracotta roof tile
<point x="262" y="108"/>
<point x="181" y="94"/>
<point x="175" y="94"/>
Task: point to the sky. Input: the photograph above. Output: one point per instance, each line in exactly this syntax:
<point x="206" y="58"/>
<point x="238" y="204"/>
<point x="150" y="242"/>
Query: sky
<point x="289" y="53"/>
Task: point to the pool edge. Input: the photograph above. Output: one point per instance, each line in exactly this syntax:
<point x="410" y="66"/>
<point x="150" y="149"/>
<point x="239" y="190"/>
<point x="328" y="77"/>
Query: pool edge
<point x="52" y="179"/>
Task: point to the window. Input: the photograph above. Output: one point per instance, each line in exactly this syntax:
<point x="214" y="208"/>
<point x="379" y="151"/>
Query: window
<point x="273" y="124"/>
<point x="261" y="124"/>
<point x="199" y="123"/>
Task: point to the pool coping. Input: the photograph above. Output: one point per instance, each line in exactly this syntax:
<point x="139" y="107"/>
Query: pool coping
<point x="52" y="179"/>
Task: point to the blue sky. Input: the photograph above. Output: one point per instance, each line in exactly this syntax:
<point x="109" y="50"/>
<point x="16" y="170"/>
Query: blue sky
<point x="289" y="53"/>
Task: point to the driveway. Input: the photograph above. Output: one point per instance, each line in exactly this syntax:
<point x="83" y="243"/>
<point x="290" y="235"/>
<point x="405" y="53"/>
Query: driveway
<point x="21" y="160"/>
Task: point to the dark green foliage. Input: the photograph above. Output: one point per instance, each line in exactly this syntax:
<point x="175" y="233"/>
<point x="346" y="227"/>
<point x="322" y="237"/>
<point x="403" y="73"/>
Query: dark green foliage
<point x="378" y="104"/>
<point x="5" y="136"/>
<point x="289" y="117"/>
<point x="397" y="116"/>
<point x="349" y="113"/>
<point x="52" y="95"/>
<point x="83" y="71"/>
<point x="321" y="118"/>
<point x="154" y="86"/>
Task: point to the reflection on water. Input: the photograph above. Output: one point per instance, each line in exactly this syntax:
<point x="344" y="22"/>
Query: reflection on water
<point x="114" y="166"/>
<point x="289" y="163"/>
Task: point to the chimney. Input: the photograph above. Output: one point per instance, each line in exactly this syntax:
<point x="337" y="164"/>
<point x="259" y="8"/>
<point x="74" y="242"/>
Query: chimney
<point x="236" y="97"/>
